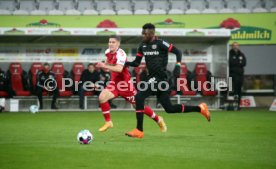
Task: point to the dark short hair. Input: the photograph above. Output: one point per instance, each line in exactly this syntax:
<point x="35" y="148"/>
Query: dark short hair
<point x="91" y="64"/>
<point x="118" y="38"/>
<point x="46" y="64"/>
<point x="149" y="26"/>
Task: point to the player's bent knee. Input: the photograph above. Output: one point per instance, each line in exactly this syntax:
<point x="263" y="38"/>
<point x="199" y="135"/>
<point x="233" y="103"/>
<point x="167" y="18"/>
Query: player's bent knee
<point x="103" y="97"/>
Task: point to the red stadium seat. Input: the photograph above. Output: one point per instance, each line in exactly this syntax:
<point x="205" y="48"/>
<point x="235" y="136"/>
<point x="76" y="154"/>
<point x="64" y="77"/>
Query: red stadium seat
<point x="36" y="67"/>
<point x="183" y="74"/>
<point x="3" y="94"/>
<point x="16" y="71"/>
<point x="88" y="93"/>
<point x="201" y="73"/>
<point x="58" y="70"/>
<point x="77" y="70"/>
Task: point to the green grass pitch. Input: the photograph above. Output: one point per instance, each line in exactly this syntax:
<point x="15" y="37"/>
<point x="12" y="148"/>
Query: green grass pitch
<point x="47" y="140"/>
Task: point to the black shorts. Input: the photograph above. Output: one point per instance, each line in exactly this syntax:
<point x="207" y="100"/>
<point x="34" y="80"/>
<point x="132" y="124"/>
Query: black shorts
<point x="156" y="85"/>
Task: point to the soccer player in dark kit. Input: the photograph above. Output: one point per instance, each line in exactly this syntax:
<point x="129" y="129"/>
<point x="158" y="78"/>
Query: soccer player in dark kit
<point x="156" y="52"/>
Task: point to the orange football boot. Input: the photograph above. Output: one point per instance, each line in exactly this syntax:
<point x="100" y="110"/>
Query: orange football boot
<point x="204" y="111"/>
<point x="135" y="133"/>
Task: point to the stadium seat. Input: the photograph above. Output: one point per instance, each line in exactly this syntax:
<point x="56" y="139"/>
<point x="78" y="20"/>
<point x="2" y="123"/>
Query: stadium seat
<point x="68" y="7"/>
<point x="64" y="5"/>
<point x="76" y="72"/>
<point x="46" y="5"/>
<point x="3" y="94"/>
<point x="18" y="79"/>
<point x="226" y="10"/>
<point x="215" y="4"/>
<point x="38" y="12"/>
<point x="178" y="7"/>
<point x="72" y="12"/>
<point x="184" y="73"/>
<point x="269" y="4"/>
<point x="158" y="12"/>
<point x="192" y="11"/>
<point x="35" y="67"/>
<point x="252" y="4"/>
<point x="90" y="12"/>
<point x="209" y="11"/>
<point x="273" y="9"/>
<point x="234" y="4"/>
<point x="55" y="12"/>
<point x="5" y="12"/>
<point x="141" y="7"/>
<point x="124" y="12"/>
<point x="160" y="7"/>
<point x="60" y="73"/>
<point x="243" y="10"/>
<point x="107" y="12"/>
<point x="105" y="7"/>
<point x="141" y="12"/>
<point x="201" y="76"/>
<point x="197" y="4"/>
<point x="259" y="10"/>
<point x="7" y="5"/>
<point x="123" y="7"/>
<point x="85" y="5"/>
<point x="20" y="12"/>
<point x="25" y="7"/>
<point x="175" y="11"/>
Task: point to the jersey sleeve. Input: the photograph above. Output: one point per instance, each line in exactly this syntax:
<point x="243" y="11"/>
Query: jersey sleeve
<point x="166" y="46"/>
<point x="121" y="57"/>
<point x="106" y="51"/>
<point x="140" y="51"/>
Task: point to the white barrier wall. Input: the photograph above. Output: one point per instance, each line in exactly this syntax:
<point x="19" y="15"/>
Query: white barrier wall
<point x="88" y="45"/>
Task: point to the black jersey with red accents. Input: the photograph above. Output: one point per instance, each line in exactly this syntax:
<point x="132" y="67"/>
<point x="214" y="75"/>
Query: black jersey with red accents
<point x="156" y="56"/>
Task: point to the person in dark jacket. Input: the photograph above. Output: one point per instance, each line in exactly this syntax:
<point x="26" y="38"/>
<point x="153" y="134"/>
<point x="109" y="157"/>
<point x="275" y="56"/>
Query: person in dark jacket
<point x="237" y="62"/>
<point x="46" y="82"/>
<point x="5" y="84"/>
<point x="88" y="79"/>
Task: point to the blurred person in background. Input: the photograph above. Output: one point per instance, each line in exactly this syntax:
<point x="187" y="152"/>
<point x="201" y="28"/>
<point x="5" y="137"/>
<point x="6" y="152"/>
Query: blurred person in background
<point x="88" y="79"/>
<point x="46" y="82"/>
<point x="237" y="62"/>
<point x="5" y="84"/>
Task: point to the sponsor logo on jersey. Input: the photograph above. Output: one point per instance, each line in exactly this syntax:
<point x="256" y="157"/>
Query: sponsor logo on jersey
<point x="151" y="53"/>
<point x="154" y="46"/>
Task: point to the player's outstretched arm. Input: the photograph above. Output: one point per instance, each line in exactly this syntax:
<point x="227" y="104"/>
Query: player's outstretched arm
<point x="134" y="63"/>
<point x="113" y="68"/>
<point x="178" y="55"/>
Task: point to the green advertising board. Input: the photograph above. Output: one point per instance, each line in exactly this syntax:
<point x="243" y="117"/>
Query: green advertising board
<point x="258" y="28"/>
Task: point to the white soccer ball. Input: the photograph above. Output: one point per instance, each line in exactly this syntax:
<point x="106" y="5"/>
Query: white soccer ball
<point x="33" y="109"/>
<point x="85" y="137"/>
